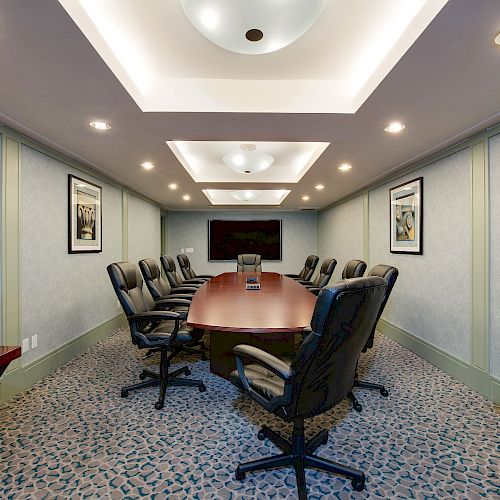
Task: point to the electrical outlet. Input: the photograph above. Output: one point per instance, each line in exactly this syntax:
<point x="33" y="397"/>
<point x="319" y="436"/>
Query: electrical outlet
<point x="189" y="250"/>
<point x="34" y="341"/>
<point x="26" y="345"/>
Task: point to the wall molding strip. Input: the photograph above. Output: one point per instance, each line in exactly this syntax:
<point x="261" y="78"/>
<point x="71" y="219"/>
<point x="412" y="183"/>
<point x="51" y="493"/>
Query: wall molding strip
<point x="23" y="377"/>
<point x="476" y="379"/>
<point x="124" y="225"/>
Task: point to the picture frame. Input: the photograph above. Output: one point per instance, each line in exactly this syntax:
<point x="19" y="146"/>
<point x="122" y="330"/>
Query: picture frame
<point x="84" y="216"/>
<point x="406" y="217"/>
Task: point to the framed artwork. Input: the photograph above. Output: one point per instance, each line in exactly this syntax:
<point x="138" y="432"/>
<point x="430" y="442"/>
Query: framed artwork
<point x="84" y="216"/>
<point x="406" y="213"/>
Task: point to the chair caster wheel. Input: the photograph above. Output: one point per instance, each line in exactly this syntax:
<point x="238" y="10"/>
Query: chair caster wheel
<point x="261" y="435"/>
<point x="124" y="393"/>
<point x="384" y="392"/>
<point x="357" y="407"/>
<point x="158" y="405"/>
<point x="187" y="371"/>
<point x="239" y="475"/>
<point x="358" y="484"/>
<point x="325" y="440"/>
<point x="143" y="376"/>
<point x="202" y="388"/>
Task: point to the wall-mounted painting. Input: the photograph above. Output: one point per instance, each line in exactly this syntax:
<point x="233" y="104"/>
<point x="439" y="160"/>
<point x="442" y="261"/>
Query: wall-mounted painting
<point x="84" y="216"/>
<point x="407" y="217"/>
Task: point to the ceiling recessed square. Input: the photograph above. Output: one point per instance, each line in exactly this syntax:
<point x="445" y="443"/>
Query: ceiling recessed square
<point x="204" y="160"/>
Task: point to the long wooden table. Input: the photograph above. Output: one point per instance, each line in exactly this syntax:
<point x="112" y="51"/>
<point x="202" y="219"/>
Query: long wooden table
<point x="267" y="318"/>
<point x="8" y="354"/>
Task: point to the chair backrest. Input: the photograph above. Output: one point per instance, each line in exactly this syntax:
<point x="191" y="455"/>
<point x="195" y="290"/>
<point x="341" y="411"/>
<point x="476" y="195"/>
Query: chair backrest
<point x="185" y="266"/>
<point x="325" y="273"/>
<point x="309" y="267"/>
<point x="170" y="269"/>
<point x="355" y="268"/>
<point x="249" y="262"/>
<point x="325" y="363"/>
<point x="127" y="283"/>
<point x="157" y="285"/>
<point x="390" y="275"/>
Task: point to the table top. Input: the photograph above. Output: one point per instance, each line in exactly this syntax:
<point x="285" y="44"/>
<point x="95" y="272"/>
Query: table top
<point x="8" y="353"/>
<point x="223" y="303"/>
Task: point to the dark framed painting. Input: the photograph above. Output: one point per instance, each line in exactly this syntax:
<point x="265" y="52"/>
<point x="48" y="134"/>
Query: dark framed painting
<point x="406" y="213"/>
<point x="84" y="216"/>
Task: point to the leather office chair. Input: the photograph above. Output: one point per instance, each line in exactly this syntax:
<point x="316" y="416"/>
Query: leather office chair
<point x="308" y="269"/>
<point x="354" y="269"/>
<point x="151" y="328"/>
<point x="173" y="277"/>
<point x="180" y="302"/>
<point x="390" y="275"/>
<point x="323" y="277"/>
<point x="249" y="262"/>
<point x="187" y="270"/>
<point x="319" y="376"/>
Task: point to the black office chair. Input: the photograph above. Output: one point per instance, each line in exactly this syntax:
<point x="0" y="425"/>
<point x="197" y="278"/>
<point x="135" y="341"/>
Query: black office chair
<point x="323" y="277"/>
<point x="390" y="275"/>
<point x="355" y="268"/>
<point x="308" y="269"/>
<point x="249" y="262"/>
<point x="173" y="277"/>
<point x="319" y="376"/>
<point x="151" y="329"/>
<point x="178" y="302"/>
<point x="187" y="270"/>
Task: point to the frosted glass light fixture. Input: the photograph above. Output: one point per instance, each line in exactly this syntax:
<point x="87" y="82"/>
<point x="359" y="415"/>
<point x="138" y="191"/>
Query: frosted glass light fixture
<point x="253" y="26"/>
<point x="245" y="195"/>
<point x="248" y="160"/>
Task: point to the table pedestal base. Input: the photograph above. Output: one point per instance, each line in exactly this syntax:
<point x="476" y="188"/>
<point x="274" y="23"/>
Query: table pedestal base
<point x="222" y="360"/>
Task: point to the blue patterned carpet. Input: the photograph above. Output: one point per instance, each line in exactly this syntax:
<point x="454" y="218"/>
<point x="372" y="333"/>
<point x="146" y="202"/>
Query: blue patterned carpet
<point x="73" y="436"/>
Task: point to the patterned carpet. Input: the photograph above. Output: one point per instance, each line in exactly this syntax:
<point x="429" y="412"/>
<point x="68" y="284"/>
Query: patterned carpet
<point x="72" y="436"/>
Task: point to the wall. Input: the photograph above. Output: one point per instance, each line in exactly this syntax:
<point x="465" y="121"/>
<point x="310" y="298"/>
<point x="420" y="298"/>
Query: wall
<point x="494" y="161"/>
<point x="341" y="234"/>
<point x="444" y="304"/>
<point x="66" y="300"/>
<point x="190" y="230"/>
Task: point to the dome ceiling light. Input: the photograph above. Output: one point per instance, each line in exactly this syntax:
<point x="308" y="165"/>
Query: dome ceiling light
<point x="248" y="160"/>
<point x="252" y="27"/>
<point x="245" y="195"/>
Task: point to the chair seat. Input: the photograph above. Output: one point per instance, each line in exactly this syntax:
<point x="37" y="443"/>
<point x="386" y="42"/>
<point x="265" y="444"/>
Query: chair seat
<point x="263" y="381"/>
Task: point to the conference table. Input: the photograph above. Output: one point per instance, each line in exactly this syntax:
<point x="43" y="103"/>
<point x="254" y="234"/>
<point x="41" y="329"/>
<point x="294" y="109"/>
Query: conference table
<point x="267" y="318"/>
<point x="8" y="354"/>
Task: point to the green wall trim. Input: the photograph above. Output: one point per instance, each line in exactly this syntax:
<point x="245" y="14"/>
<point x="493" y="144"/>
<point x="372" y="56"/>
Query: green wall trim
<point x="480" y="257"/>
<point x="84" y="169"/>
<point x="11" y="173"/>
<point x="484" y="135"/>
<point x="475" y="378"/>
<point x="24" y="377"/>
<point x="366" y="227"/>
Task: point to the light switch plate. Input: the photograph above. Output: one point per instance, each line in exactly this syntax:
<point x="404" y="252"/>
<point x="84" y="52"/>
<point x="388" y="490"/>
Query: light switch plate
<point x="34" y="341"/>
<point x="182" y="250"/>
<point x="25" y="345"/>
<point x="189" y="250"/>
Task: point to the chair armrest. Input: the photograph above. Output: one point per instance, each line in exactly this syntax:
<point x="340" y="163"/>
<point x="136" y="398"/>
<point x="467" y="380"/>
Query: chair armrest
<point x="184" y="289"/>
<point x="193" y="281"/>
<point x="304" y="282"/>
<point x="263" y="358"/>
<point x="295" y="276"/>
<point x="314" y="289"/>
<point x="154" y="316"/>
<point x="172" y="302"/>
<point x="206" y="276"/>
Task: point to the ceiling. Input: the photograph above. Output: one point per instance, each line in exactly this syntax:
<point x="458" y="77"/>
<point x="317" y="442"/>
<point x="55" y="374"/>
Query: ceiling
<point x="444" y="88"/>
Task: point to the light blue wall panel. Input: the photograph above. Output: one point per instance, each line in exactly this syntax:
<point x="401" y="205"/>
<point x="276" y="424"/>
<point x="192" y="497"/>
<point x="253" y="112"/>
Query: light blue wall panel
<point x="432" y="296"/>
<point x="494" y="157"/>
<point x="190" y="230"/>
<point x="144" y="230"/>
<point x="341" y="234"/>
<point x="63" y="295"/>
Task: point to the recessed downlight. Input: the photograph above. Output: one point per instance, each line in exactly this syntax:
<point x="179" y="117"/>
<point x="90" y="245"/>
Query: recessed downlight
<point x="305" y="198"/>
<point x="147" y="165"/>
<point x="186" y="197"/>
<point x="100" y="125"/>
<point x="496" y="40"/>
<point x="173" y="186"/>
<point x="394" y="127"/>
<point x="345" y="167"/>
<point x="319" y="187"/>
